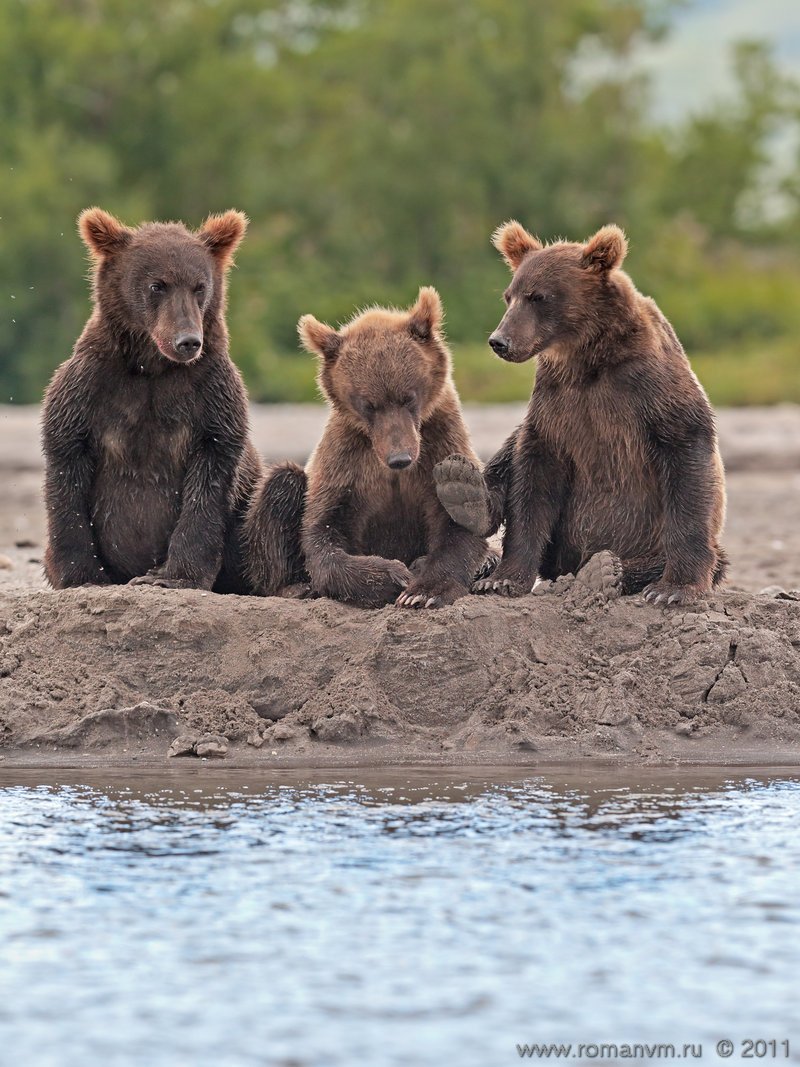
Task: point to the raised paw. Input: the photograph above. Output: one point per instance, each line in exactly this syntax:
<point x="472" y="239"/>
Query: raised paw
<point x="461" y="489"/>
<point x="431" y="593"/>
<point x="668" y="595"/>
<point x="500" y="586"/>
<point x="602" y="574"/>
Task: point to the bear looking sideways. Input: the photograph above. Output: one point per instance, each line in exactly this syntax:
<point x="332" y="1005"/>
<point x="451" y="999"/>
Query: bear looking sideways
<point x="373" y="530"/>
<point x="618" y="449"/>
<point x="145" y="428"/>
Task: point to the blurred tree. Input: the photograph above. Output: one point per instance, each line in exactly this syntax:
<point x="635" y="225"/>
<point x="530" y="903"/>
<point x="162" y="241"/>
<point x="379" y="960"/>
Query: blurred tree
<point x="375" y="144"/>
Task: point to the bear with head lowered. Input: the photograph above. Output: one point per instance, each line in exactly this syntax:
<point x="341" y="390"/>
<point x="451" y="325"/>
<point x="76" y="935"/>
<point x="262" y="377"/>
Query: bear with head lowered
<point x="370" y="528"/>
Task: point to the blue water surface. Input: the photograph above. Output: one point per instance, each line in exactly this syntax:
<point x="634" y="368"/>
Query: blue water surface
<point x="403" y="918"/>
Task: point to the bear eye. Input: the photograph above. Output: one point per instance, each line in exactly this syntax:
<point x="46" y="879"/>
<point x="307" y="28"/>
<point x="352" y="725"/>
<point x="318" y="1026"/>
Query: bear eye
<point x="536" y="297"/>
<point x="157" y="287"/>
<point x="507" y="298"/>
<point x="200" y="290"/>
<point x="409" y="400"/>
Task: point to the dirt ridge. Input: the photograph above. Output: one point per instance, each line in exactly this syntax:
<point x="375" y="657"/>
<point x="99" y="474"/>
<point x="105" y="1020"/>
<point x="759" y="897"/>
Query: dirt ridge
<point x="566" y="674"/>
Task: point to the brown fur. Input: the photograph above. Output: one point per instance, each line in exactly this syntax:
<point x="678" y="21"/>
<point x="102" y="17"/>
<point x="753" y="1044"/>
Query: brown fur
<point x="618" y="449"/>
<point x="145" y="427"/>
<point x="273" y="533"/>
<point x="372" y="534"/>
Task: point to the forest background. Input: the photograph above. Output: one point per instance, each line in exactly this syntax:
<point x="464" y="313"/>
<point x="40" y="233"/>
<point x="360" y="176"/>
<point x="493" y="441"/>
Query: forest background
<point x="375" y="145"/>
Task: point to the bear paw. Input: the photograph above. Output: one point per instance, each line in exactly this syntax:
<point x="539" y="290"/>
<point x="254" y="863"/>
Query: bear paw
<point x="669" y="595"/>
<point x="431" y="593"/>
<point x="162" y="582"/>
<point x="507" y="587"/>
<point x="374" y="581"/>
<point x="298" y="591"/>
<point x="98" y="577"/>
<point x="461" y="489"/>
<point x="602" y="574"/>
<point x="161" y="577"/>
<point x="75" y="573"/>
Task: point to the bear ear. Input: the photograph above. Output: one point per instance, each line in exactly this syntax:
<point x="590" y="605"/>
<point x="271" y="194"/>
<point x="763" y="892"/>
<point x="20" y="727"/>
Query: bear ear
<point x="222" y="234"/>
<point x="605" y="251"/>
<point x="319" y="339"/>
<point x="425" y="317"/>
<point x="513" y="242"/>
<point x="102" y="234"/>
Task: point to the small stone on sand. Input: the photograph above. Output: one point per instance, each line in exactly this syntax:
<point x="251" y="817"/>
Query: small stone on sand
<point x="212" y="745"/>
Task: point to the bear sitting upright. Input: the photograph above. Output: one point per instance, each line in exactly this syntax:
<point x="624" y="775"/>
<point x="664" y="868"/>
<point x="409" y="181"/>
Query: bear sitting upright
<point x="618" y="449"/>
<point x="373" y="530"/>
<point x="145" y="428"/>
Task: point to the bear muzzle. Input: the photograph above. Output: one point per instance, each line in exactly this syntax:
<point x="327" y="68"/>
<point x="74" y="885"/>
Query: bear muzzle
<point x="188" y="345"/>
<point x="184" y="348"/>
<point x="499" y="345"/>
<point x="398" y="461"/>
<point x="395" y="438"/>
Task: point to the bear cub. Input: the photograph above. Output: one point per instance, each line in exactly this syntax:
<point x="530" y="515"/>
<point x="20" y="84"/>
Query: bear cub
<point x="145" y="428"/>
<point x="371" y="528"/>
<point x="618" y="449"/>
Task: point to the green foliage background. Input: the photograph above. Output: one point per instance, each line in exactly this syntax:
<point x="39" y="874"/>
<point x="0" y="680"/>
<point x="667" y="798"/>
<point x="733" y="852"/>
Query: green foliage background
<point x="375" y="145"/>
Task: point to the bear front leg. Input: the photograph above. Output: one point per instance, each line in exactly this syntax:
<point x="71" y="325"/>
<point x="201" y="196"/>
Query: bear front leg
<point x="195" y="549"/>
<point x="71" y="557"/>
<point x="537" y="493"/>
<point x="364" y="581"/>
<point x="691" y="557"/>
<point x="445" y="573"/>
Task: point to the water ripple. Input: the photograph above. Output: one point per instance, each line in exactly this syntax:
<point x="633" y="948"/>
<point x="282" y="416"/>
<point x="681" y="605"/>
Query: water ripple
<point x="333" y="924"/>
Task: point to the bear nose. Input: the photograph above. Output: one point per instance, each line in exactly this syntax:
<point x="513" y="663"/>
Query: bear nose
<point x="188" y="344"/>
<point x="498" y="344"/>
<point x="399" y="460"/>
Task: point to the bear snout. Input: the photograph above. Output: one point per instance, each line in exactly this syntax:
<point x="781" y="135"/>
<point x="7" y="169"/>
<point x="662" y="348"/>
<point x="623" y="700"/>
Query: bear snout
<point x="188" y="345"/>
<point x="395" y="437"/>
<point x="398" y="461"/>
<point x="499" y="345"/>
<point x="184" y="348"/>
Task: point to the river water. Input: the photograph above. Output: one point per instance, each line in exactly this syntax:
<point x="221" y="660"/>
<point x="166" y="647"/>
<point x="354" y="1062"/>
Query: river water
<point x="400" y="917"/>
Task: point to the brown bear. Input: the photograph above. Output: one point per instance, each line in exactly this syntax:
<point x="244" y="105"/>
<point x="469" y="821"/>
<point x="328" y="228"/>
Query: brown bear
<point x="373" y="530"/>
<point x="618" y="449"/>
<point x="145" y="429"/>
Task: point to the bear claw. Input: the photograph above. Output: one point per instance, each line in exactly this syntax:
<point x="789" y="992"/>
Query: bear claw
<point x="438" y="593"/>
<point x="502" y="586"/>
<point x="665" y="594"/>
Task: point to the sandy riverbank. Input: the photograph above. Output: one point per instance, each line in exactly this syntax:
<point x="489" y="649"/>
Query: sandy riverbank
<point x="117" y="675"/>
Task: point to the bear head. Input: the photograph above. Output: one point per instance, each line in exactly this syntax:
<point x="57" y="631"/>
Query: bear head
<point x="561" y="294"/>
<point x="384" y="372"/>
<point x="161" y="279"/>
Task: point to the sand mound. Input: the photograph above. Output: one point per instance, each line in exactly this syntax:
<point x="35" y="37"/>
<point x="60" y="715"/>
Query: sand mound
<point x="124" y="672"/>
